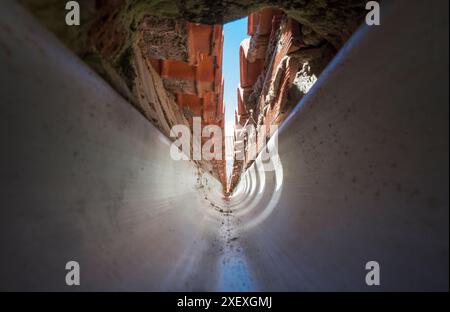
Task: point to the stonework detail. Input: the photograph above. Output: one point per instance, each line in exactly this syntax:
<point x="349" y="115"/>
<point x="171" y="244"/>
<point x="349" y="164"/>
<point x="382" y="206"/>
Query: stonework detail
<point x="191" y="74"/>
<point x="279" y="63"/>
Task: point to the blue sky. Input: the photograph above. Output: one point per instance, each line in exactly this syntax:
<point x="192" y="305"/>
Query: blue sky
<point x="234" y="32"/>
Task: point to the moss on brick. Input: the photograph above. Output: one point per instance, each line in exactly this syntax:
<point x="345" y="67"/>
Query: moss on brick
<point x="125" y="66"/>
